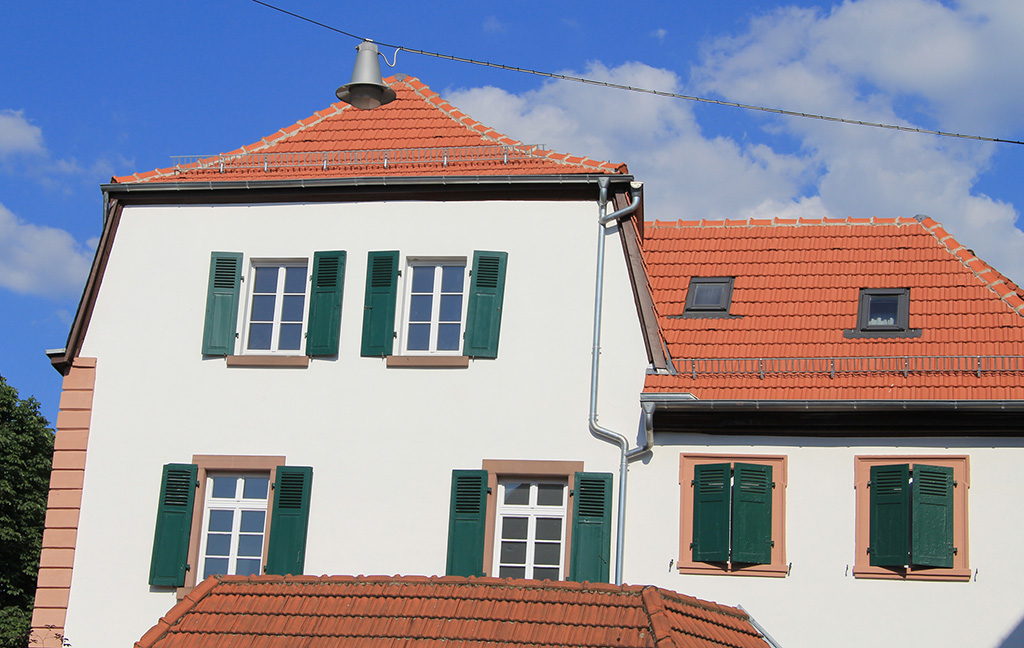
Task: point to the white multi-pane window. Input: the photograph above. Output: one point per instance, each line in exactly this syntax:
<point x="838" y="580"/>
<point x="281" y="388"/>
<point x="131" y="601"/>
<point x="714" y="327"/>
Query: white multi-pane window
<point x="234" y="523"/>
<point x="530" y="538"/>
<point x="277" y="307"/>
<point x="435" y="307"/>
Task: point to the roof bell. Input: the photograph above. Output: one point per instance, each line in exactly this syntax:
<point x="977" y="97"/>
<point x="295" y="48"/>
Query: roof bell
<point x="367" y="89"/>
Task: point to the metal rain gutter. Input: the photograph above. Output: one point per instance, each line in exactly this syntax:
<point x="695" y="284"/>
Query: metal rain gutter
<point x="687" y="402"/>
<point x="603" y="433"/>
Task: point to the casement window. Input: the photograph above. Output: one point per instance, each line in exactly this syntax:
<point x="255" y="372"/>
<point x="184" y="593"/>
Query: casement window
<point x="708" y="297"/>
<point x="286" y="311"/>
<point x="252" y="518"/>
<point x="912" y="517"/>
<point x="438" y="316"/>
<point x="732" y="514"/>
<point x="883" y="312"/>
<point x="545" y="520"/>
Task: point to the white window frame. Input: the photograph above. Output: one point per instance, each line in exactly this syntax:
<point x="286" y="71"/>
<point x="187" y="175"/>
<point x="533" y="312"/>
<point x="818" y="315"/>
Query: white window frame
<point x="236" y="504"/>
<point x="532" y="512"/>
<point x="278" y="305"/>
<point x="436" y="262"/>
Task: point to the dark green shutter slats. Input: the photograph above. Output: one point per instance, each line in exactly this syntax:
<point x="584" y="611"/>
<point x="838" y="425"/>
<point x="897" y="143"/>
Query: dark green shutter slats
<point x="590" y="553"/>
<point x="932" y="516"/>
<point x="711" y="485"/>
<point x="173" y="525"/>
<point x="222" y="303"/>
<point x="890" y="515"/>
<point x="467" y="523"/>
<point x="325" y="304"/>
<point x="486" y="293"/>
<point x="752" y="514"/>
<point x="379" y="305"/>
<point x="289" y="520"/>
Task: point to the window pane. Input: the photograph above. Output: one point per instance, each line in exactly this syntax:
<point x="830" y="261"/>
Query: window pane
<point x="706" y="294"/>
<point x="224" y="487"/>
<point x="419" y="337"/>
<point x="448" y="337"/>
<point x="513" y="552"/>
<point x="545" y="573"/>
<point x="265" y="281"/>
<point x="419" y="308"/>
<point x="295" y="279"/>
<point x="247" y="567"/>
<point x="451" y="308"/>
<point x="512" y="572"/>
<point x="549" y="494"/>
<point x="259" y="336"/>
<point x="254" y="488"/>
<point x="514" y="528"/>
<point x="423" y="279"/>
<point x="291" y="337"/>
<point x="221" y="521"/>
<point x="882" y="310"/>
<point x="291" y="309"/>
<point x="547" y="553"/>
<point x="215" y="566"/>
<point x="516" y="493"/>
<point x="252" y="521"/>
<point x="250" y="545"/>
<point x="452" y="278"/>
<point x="263" y="308"/>
<point x="549" y="529"/>
<point x="218" y="544"/>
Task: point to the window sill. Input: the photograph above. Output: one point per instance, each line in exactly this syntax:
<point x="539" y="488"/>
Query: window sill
<point x="962" y="574"/>
<point x="769" y="571"/>
<point x="437" y="362"/>
<point x="266" y="361"/>
<point x="869" y="333"/>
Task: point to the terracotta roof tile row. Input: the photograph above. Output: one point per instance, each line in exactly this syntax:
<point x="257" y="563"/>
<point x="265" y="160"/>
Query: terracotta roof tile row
<point x="271" y="611"/>
<point x="796" y="290"/>
<point x="417" y="119"/>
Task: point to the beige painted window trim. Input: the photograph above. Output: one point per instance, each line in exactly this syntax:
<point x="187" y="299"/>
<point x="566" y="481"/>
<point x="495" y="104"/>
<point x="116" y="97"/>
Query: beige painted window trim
<point x="511" y="468"/>
<point x="429" y="361"/>
<point x="223" y="463"/>
<point x="862" y="568"/>
<point x="777" y="568"/>
<point x="266" y="361"/>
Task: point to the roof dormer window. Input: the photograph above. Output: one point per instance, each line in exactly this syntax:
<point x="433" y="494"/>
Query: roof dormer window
<point x="883" y="312"/>
<point x="708" y="297"/>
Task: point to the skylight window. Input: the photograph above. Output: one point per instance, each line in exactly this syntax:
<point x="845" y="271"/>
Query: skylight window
<point x="708" y="297"/>
<point x="883" y="312"/>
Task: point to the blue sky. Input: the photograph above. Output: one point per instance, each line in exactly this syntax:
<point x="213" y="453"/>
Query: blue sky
<point x="91" y="90"/>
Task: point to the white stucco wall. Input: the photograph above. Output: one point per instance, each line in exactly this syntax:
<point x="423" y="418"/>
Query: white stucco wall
<point x="382" y="442"/>
<point x="820" y="603"/>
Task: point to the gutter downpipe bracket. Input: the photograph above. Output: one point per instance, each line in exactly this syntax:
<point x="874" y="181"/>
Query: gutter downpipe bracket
<point x="625" y="454"/>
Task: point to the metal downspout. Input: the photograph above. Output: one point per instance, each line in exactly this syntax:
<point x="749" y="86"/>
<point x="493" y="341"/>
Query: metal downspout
<point x="608" y="435"/>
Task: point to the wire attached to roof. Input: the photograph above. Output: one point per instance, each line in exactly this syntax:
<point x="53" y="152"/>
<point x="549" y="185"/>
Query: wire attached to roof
<point x="660" y="93"/>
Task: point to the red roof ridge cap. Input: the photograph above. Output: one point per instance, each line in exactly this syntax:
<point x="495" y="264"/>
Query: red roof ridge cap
<point x="173" y="615"/>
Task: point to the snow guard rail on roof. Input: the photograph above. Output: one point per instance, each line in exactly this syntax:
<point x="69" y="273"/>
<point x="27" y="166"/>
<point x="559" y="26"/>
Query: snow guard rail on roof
<point x="884" y="364"/>
<point x="444" y="156"/>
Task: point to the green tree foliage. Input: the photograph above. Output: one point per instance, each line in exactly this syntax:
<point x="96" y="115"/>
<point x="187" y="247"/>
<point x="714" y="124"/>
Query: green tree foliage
<point x="26" y="451"/>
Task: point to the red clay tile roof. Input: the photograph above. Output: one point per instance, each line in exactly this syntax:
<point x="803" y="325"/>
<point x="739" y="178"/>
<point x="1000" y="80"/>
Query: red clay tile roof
<point x="451" y="612"/>
<point x="423" y="135"/>
<point x="796" y="290"/>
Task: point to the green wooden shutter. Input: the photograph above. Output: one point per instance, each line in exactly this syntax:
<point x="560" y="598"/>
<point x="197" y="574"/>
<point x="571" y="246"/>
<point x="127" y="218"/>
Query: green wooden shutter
<point x="289" y="520"/>
<point x="932" y="516"/>
<point x="890" y="515"/>
<point x="173" y="525"/>
<point x="590" y="554"/>
<point x="324" y="326"/>
<point x="711" y="486"/>
<point x="379" y="306"/>
<point x="222" y="303"/>
<point x="752" y="514"/>
<point x="467" y="523"/>
<point x="483" y="315"/>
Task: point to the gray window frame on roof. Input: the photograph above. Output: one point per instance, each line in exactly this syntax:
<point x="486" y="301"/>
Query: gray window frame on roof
<point x="867" y="330"/>
<point x="690" y="310"/>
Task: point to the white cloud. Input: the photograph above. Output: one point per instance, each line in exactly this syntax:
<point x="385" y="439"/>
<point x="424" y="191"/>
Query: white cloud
<point x="660" y="33"/>
<point x="38" y="260"/>
<point x="493" y="25"/>
<point x="17" y="135"/>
